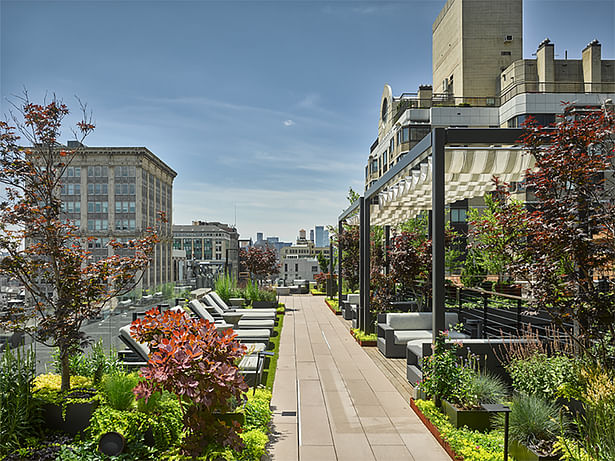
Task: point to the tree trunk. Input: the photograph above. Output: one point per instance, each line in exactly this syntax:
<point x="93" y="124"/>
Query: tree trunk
<point x="64" y="361"/>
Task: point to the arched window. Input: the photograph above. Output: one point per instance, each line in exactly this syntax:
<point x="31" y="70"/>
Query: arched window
<point x="385" y="109"/>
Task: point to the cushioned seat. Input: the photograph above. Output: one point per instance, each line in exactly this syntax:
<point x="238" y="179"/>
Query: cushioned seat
<point x="215" y="297"/>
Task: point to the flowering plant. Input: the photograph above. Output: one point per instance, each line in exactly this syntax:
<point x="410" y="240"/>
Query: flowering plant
<point x="444" y="374"/>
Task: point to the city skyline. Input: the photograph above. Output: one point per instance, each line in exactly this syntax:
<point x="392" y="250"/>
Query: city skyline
<point x="266" y="110"/>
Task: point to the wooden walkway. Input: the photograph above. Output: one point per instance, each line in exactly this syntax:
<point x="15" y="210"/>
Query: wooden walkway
<point x="333" y="402"/>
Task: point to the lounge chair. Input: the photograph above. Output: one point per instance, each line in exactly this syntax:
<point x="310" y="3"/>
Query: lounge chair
<point x="254" y="335"/>
<point x="220" y="302"/>
<point x="248" y="314"/>
<point x="246" y="324"/>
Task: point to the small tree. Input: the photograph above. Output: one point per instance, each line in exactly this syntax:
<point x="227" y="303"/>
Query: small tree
<point x="568" y="241"/>
<point x="348" y="241"/>
<point x="261" y="262"/>
<point x="44" y="250"/>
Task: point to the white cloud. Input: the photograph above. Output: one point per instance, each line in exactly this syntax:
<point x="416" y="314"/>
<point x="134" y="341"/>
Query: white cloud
<point x="288" y="122"/>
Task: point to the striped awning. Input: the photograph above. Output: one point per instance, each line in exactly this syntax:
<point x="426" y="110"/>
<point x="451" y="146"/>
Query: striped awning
<point x="469" y="173"/>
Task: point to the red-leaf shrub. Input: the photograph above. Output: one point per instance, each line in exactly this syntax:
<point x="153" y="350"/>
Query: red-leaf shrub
<point x="190" y="359"/>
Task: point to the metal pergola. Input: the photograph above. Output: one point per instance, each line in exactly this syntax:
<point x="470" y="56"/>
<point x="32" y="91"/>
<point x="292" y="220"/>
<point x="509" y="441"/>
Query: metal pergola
<point x="430" y="150"/>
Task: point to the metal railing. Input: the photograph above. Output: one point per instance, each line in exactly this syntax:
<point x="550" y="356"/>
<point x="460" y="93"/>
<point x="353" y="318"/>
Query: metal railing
<point x="526" y="86"/>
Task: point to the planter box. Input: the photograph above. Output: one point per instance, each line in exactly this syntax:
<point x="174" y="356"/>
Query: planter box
<point x="522" y="453"/>
<point x="363" y="342"/>
<point x="264" y="304"/>
<point x="473" y="419"/>
<point x="77" y="416"/>
<point x="332" y="308"/>
<point x="435" y="432"/>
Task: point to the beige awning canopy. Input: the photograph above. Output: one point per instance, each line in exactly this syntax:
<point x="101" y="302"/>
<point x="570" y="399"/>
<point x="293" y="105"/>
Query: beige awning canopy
<point x="469" y="173"/>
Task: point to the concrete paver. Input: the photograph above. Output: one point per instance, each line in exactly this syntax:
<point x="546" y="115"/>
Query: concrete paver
<point x="331" y="402"/>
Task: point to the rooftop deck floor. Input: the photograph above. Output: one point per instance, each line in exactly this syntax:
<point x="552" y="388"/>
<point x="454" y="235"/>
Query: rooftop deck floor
<point x="332" y="401"/>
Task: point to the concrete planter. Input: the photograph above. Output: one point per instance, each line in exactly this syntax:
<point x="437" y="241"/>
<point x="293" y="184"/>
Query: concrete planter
<point x="473" y="419"/>
<point x="264" y="304"/>
<point x="77" y="416"/>
<point x="522" y="453"/>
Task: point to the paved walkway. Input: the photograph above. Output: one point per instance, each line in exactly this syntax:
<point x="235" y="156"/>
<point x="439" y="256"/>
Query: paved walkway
<point x="331" y="402"/>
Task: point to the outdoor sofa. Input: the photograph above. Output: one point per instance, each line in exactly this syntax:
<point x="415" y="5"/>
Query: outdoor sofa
<point x="400" y="328"/>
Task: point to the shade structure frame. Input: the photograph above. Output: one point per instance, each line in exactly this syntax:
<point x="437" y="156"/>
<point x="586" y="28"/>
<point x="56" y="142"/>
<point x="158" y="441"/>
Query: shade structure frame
<point x="406" y="185"/>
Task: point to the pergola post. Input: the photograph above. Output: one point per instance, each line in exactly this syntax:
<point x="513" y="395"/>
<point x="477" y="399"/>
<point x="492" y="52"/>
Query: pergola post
<point x="330" y="289"/>
<point x="361" y="262"/>
<point x="438" y="142"/>
<point x="340" y="229"/>
<point x="387" y="248"/>
<point x="368" y="325"/>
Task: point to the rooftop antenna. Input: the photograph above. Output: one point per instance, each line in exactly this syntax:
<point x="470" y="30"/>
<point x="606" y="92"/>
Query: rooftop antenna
<point x="235" y="223"/>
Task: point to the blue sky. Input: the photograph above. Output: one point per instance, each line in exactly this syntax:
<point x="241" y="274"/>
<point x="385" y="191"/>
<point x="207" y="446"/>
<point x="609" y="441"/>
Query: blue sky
<point x="268" y="107"/>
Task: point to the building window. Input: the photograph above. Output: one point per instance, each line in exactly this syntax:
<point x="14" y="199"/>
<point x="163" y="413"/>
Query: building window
<point x="459" y="215"/>
<point x="296" y="267"/>
<point x="314" y="268"/>
<point x="405" y="134"/>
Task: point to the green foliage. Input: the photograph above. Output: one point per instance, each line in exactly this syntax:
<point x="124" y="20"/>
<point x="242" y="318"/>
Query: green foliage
<point x="472" y="272"/>
<point x="93" y="364"/>
<point x="151" y="404"/>
<point x="257" y="411"/>
<point x="362" y="336"/>
<point x="541" y="374"/>
<point x="226" y="287"/>
<point x="597" y="424"/>
<point x="19" y="412"/>
<point x="165" y="423"/>
<point x="275" y="340"/>
<point x="471" y="445"/>
<point x="533" y="419"/>
<point x="88" y="451"/>
<point x="255" y="442"/>
<point x="444" y="374"/>
<point x="118" y="388"/>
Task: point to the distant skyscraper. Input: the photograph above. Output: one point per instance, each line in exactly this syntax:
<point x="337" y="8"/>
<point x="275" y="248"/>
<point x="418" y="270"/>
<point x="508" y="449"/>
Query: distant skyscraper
<point x="325" y="238"/>
<point x="259" y="237"/>
<point x="320" y="236"/>
<point x="311" y="235"/>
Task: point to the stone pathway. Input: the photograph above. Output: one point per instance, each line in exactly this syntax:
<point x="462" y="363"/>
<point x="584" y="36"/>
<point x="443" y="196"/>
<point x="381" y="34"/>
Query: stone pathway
<point x="331" y="402"/>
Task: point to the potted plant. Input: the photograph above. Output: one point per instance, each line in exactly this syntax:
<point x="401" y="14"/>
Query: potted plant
<point x="466" y="409"/>
<point x="66" y="411"/>
<point x="534" y="426"/>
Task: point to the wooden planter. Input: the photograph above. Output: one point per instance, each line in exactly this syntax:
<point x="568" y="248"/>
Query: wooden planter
<point x="434" y="431"/>
<point x="363" y="342"/>
<point x="473" y="419"/>
<point x="522" y="453"/>
<point x="338" y="312"/>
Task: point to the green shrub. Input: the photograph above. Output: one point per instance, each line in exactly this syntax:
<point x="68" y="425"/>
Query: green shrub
<point x="533" y="419"/>
<point x="257" y="414"/>
<point x="541" y="374"/>
<point x="150" y="404"/>
<point x="88" y="451"/>
<point x="226" y="287"/>
<point x="19" y="412"/>
<point x="255" y="442"/>
<point x="118" y="388"/>
<point x="484" y="388"/>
